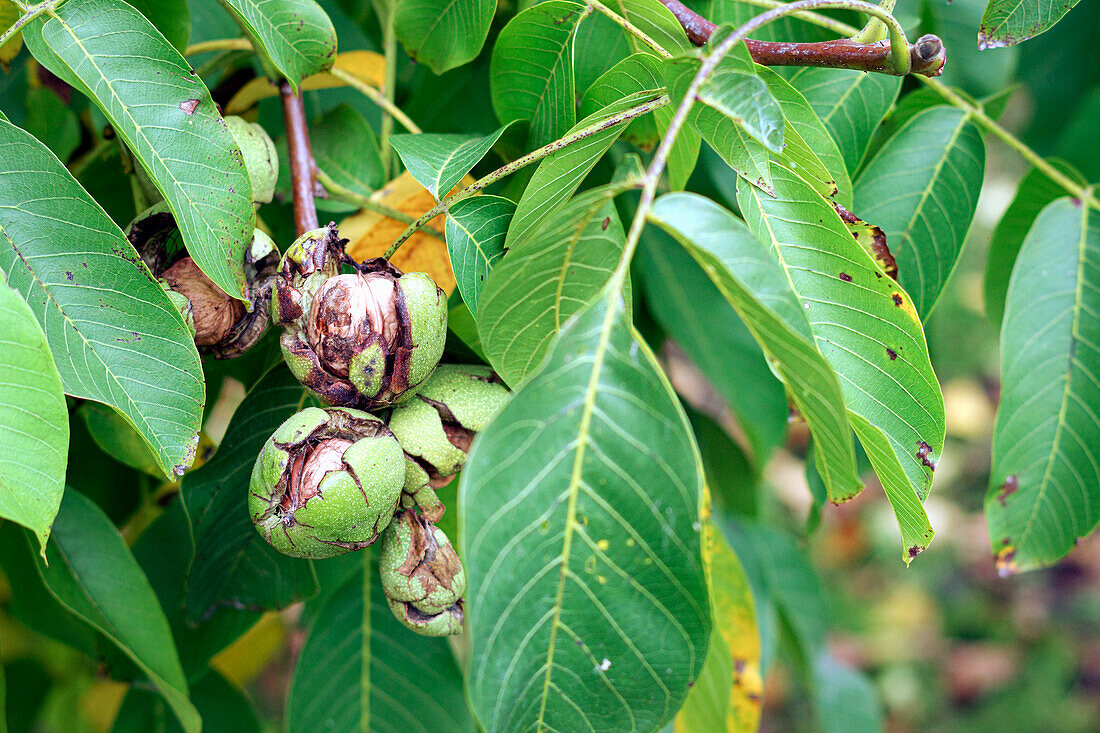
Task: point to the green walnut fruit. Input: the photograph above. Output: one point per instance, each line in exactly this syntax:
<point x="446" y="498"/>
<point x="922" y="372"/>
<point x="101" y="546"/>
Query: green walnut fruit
<point x="223" y="326"/>
<point x="437" y="426"/>
<point x="422" y="577"/>
<point x="260" y="159"/>
<point x="367" y="339"/>
<point x="327" y="482"/>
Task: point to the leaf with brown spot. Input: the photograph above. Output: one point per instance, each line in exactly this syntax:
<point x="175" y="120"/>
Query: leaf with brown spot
<point x="893" y="405"/>
<point x="1044" y="485"/>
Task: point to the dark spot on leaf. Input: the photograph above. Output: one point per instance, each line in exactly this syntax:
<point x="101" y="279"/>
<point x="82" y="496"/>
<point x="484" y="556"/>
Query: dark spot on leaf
<point x="1008" y="488"/>
<point x="878" y="274"/>
<point x="914" y="551"/>
<point x="898" y="300"/>
<point x="606" y="222"/>
<point x="924" y="453"/>
<point x="891" y="353"/>
<point x="69" y="275"/>
<point x="189" y="106"/>
<point x="845" y="277"/>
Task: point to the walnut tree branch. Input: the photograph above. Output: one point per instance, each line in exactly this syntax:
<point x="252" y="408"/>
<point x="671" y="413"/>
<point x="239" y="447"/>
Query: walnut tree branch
<point x="927" y="55"/>
<point x="303" y="178"/>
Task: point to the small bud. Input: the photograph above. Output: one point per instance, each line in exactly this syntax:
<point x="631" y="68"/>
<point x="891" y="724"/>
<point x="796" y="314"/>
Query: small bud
<point x="367" y="339"/>
<point x="327" y="482"/>
<point x="422" y="576"/>
<point x="437" y="426"/>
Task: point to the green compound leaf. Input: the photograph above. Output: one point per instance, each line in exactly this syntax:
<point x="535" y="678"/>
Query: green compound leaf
<point x="361" y="670"/>
<point x="545" y="279"/>
<point x="748" y="157"/>
<point x="869" y="332"/>
<point x="808" y="147"/>
<point x="531" y="73"/>
<point x="92" y="573"/>
<point x="443" y="33"/>
<point x="476" y="228"/>
<point x="1008" y="22"/>
<point x="850" y="104"/>
<point x="295" y="37"/>
<point x="233" y="566"/>
<point x="439" y="161"/>
<point x="637" y="73"/>
<point x="1044" y="488"/>
<point x="755" y="285"/>
<point x="111" y="52"/>
<point x="922" y="189"/>
<point x="561" y="172"/>
<point x="115" y="336"/>
<point x="588" y="609"/>
<point x="34" y="422"/>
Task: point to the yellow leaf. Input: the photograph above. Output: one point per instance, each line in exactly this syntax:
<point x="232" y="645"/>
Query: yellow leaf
<point x="372" y="233"/>
<point x="367" y="66"/>
<point x="730" y="686"/>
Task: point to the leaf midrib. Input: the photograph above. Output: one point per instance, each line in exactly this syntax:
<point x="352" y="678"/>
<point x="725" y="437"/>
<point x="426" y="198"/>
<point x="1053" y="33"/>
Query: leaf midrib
<point x="1074" y="336"/>
<point x="138" y="128"/>
<point x="583" y="438"/>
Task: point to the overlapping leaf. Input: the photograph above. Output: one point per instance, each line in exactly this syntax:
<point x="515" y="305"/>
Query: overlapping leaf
<point x="850" y="103"/>
<point x="561" y="172"/>
<point x="233" y="565"/>
<point x="636" y="73"/>
<point x="34" y="422"/>
<point x="922" y="189"/>
<point x="691" y="308"/>
<point x="476" y="228"/>
<point x="361" y="670"/>
<point x="295" y="37"/>
<point x="741" y="151"/>
<point x="439" y="161"/>
<point x="1008" y="22"/>
<point x="112" y="53"/>
<point x="808" y="148"/>
<point x="1044" y="491"/>
<point x="728" y="694"/>
<point x="92" y="573"/>
<point x="443" y="33"/>
<point x="531" y="74"/>
<point x="544" y="280"/>
<point x="115" y="336"/>
<point x="1033" y="193"/>
<point x="747" y="275"/>
<point x="868" y="330"/>
<point x="587" y="609"/>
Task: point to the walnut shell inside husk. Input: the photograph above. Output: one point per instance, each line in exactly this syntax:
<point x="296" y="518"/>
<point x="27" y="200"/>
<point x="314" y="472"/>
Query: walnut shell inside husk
<point x="224" y="326"/>
<point x="366" y="339"/>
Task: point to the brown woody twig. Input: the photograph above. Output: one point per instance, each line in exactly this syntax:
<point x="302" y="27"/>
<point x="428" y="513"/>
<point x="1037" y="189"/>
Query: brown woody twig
<point x="927" y="54"/>
<point x="303" y="178"/>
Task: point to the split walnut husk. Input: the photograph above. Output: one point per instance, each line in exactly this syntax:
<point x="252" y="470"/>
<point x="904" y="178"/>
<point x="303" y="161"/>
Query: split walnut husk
<point x="366" y="339"/>
<point x="224" y="327"/>
<point x="326" y="483"/>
